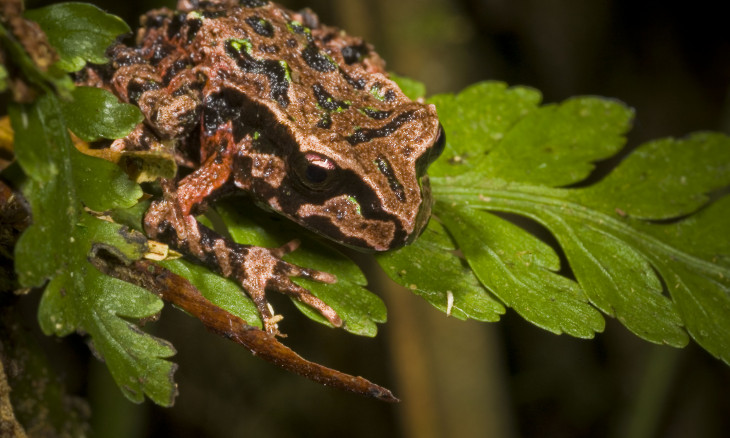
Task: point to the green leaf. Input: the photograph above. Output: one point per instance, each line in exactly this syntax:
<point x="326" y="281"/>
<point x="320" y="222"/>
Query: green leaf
<point x="476" y="120"/>
<point x="430" y="268"/>
<point x="505" y="155"/>
<point x="521" y="270"/>
<point x="81" y="298"/>
<point x="56" y="247"/>
<point x="41" y="127"/>
<point x="221" y="291"/>
<point x="656" y="182"/>
<point x="359" y="308"/>
<point x="79" y="32"/>
<point x="95" y="113"/>
<point x="101" y="185"/>
<point x="557" y="144"/>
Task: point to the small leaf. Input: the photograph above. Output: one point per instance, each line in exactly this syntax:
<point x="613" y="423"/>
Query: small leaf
<point x="521" y="270"/>
<point x="556" y="145"/>
<point x="476" y="120"/>
<point x="81" y="298"/>
<point x="95" y="113"/>
<point x="706" y="234"/>
<point x="430" y="269"/>
<point x="656" y="182"/>
<point x="618" y="279"/>
<point x="223" y="292"/>
<point x="359" y="308"/>
<point x="79" y="32"/>
<point x="41" y="127"/>
<point x="102" y="185"/>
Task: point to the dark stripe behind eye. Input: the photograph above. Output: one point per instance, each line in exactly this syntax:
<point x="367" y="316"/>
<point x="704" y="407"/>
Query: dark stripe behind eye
<point x="395" y="185"/>
<point x="364" y="135"/>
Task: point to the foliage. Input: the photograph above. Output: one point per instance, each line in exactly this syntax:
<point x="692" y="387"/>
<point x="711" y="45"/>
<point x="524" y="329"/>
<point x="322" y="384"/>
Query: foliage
<point x="60" y="182"/>
<point x="646" y="244"/>
<point x="645" y="229"/>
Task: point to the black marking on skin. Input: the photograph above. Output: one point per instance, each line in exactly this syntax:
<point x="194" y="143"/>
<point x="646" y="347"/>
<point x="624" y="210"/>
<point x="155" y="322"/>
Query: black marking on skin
<point x="207" y="240"/>
<point x="325" y="122"/>
<point x="227" y="105"/>
<point x="355" y="53"/>
<point x="165" y="232"/>
<point x="317" y="60"/>
<point x="389" y="95"/>
<point x="124" y="56"/>
<point x="395" y="185"/>
<point x="299" y="28"/>
<point x="253" y="3"/>
<point x="194" y="26"/>
<point x="268" y="48"/>
<point x="173" y="29"/>
<point x="376" y="114"/>
<point x="175" y="68"/>
<point x="326" y="101"/>
<point x="274" y="71"/>
<point x="154" y="20"/>
<point x="160" y="51"/>
<point x="291" y="43"/>
<point x="214" y="13"/>
<point x="364" y="135"/>
<point x="135" y="89"/>
<point x="329" y="36"/>
<point x="358" y="84"/>
<point x="219" y="108"/>
<point x="260" y="26"/>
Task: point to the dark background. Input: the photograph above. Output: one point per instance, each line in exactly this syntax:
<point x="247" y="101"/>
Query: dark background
<point x="669" y="60"/>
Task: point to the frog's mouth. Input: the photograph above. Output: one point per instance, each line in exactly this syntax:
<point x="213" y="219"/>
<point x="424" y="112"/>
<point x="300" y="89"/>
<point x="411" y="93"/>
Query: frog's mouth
<point x="366" y="228"/>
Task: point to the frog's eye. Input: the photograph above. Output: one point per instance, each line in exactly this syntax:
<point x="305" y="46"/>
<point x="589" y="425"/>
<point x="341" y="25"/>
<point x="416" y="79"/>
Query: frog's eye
<point x="315" y="171"/>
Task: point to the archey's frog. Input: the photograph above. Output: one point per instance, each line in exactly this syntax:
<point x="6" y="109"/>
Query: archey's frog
<point x="301" y="116"/>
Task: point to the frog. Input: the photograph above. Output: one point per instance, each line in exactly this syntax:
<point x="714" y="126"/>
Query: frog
<point x="299" y="116"/>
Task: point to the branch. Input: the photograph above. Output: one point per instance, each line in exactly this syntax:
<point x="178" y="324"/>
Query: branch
<point x="180" y="292"/>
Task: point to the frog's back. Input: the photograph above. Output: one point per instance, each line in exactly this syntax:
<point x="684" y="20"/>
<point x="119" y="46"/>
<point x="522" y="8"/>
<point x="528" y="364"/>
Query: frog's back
<point x="318" y="96"/>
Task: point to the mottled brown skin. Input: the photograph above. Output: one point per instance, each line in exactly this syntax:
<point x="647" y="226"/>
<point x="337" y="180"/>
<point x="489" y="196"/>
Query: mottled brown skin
<point x="300" y="116"/>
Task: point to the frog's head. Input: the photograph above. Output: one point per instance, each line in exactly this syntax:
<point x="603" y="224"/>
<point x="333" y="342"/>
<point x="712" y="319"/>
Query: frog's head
<point x="368" y="190"/>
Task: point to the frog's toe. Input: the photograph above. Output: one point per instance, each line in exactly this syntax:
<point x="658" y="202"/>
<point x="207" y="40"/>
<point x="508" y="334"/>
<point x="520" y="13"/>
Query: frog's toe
<point x="286" y="248"/>
<point x="291" y="270"/>
<point x="305" y="296"/>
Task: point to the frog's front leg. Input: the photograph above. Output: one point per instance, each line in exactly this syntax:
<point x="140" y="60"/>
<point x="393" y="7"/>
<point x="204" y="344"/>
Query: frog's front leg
<point x="256" y="269"/>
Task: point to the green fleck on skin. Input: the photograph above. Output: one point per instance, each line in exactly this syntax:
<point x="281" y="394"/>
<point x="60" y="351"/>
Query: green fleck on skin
<point x="287" y="70"/>
<point x="297" y="27"/>
<point x="377" y="92"/>
<point x="354" y="201"/>
<point x="239" y="44"/>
